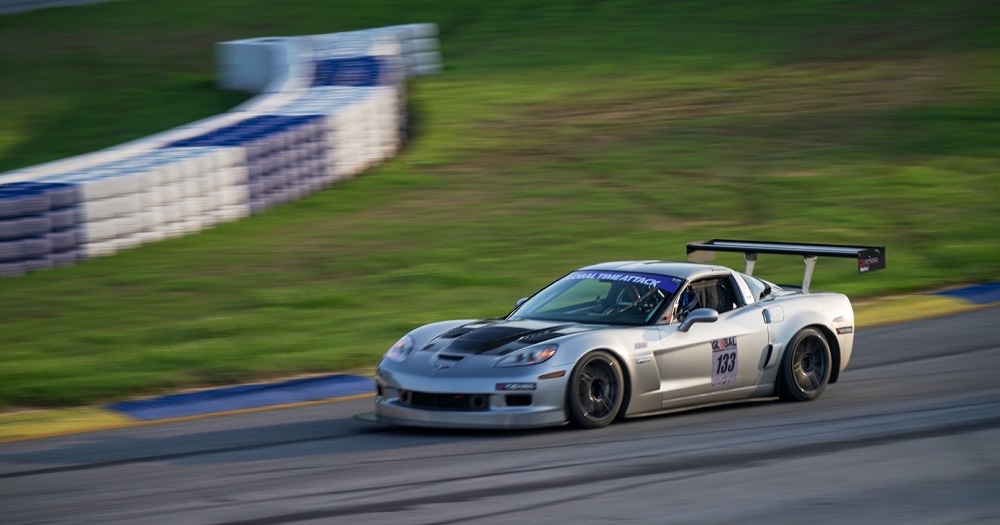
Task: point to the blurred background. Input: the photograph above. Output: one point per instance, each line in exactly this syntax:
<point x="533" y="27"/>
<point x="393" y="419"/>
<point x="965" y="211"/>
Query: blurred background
<point x="559" y="134"/>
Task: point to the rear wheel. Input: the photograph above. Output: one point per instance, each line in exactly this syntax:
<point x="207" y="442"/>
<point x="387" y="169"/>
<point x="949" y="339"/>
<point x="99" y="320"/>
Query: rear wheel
<point x="806" y="366"/>
<point x="596" y="390"/>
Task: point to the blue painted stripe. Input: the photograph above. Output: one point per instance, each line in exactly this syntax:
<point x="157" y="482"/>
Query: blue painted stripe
<point x="245" y="397"/>
<point x="987" y="293"/>
<point x="363" y="71"/>
<point x="249" y="130"/>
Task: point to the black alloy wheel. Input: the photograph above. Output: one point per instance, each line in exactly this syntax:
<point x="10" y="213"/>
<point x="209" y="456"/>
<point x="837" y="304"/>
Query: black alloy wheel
<point x="596" y="390"/>
<point x="806" y="366"/>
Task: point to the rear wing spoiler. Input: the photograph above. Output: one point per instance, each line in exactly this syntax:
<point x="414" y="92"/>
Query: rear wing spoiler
<point x="870" y="258"/>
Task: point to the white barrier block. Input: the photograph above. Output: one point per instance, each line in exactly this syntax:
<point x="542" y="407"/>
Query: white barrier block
<point x="208" y="181"/>
<point x="129" y="241"/>
<point x="169" y="172"/>
<point x="232" y="213"/>
<point x="100" y="248"/>
<point x="152" y="218"/>
<point x="422" y="30"/>
<point x="207" y="220"/>
<point x="128" y="204"/>
<point x="191" y="187"/>
<point x="232" y="157"/>
<point x="152" y="197"/>
<point x="192" y="207"/>
<point x="230" y="177"/>
<point x="190" y="226"/>
<point x="101" y="186"/>
<point x="173" y="212"/>
<point x="100" y="209"/>
<point x="231" y="196"/>
<point x="127" y="225"/>
<point x="148" y="178"/>
<point x="172" y="192"/>
<point x="425" y="45"/>
<point x="207" y="202"/>
<point x="259" y="65"/>
<point x="187" y="168"/>
<point x="174" y="229"/>
<point x="154" y="235"/>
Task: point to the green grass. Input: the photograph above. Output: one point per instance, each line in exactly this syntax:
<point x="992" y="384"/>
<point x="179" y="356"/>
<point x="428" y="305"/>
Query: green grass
<point x="560" y="134"/>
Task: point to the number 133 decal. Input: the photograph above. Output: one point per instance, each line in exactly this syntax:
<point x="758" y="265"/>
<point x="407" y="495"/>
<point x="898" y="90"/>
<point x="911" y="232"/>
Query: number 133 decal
<point x="724" y="361"/>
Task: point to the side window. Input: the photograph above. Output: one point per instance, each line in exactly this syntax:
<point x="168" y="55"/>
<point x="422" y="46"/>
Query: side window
<point x="755" y="285"/>
<point x="717" y="293"/>
<point x="726" y="295"/>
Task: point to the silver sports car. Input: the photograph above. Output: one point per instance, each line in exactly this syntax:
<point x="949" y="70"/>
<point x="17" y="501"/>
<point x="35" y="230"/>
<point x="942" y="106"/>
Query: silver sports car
<point x="625" y="339"/>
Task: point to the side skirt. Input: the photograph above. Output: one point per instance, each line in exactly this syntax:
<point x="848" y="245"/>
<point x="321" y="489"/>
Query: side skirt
<point x="765" y="392"/>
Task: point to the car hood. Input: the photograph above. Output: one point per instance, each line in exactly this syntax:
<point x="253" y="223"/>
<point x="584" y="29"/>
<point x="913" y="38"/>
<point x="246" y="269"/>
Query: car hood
<point x="500" y="336"/>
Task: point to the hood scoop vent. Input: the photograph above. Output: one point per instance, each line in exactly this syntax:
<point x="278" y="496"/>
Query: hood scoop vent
<point x="445" y="361"/>
<point x="543" y="335"/>
<point x="457" y="332"/>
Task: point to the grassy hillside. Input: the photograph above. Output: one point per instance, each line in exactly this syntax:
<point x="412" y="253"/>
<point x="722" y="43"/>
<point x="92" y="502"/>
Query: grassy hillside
<point x="561" y="133"/>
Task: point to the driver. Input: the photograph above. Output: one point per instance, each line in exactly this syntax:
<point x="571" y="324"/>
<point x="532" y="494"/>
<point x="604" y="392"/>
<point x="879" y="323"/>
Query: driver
<point x="687" y="302"/>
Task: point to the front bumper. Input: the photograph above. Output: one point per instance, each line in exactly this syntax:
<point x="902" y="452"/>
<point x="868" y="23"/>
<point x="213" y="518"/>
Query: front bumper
<point x="427" y="402"/>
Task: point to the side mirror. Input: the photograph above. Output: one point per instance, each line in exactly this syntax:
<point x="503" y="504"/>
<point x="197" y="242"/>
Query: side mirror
<point x="520" y="302"/>
<point x="701" y="315"/>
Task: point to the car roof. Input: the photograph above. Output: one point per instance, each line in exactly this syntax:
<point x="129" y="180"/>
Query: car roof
<point x="683" y="270"/>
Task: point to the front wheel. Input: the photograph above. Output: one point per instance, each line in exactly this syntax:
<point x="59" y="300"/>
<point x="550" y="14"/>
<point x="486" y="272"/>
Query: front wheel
<point x="806" y="366"/>
<point x="596" y="389"/>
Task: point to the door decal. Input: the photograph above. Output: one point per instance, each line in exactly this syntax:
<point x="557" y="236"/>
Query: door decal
<point x="724" y="361"/>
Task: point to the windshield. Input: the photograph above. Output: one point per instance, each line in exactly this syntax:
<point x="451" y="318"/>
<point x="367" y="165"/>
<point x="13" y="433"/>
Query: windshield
<point x="598" y="297"/>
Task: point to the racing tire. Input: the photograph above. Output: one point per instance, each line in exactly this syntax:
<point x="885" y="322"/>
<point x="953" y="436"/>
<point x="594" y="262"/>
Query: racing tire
<point x="806" y="366"/>
<point x="596" y="390"/>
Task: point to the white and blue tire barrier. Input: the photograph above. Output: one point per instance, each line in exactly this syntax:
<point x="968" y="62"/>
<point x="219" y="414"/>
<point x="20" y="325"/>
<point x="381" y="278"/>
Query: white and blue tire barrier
<point x="330" y="107"/>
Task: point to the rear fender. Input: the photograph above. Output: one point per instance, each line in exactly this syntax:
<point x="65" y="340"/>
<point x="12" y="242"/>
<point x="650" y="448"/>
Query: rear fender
<point x="831" y="314"/>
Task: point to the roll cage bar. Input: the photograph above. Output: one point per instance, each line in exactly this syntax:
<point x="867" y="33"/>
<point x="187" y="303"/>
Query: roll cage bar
<point x="870" y="258"/>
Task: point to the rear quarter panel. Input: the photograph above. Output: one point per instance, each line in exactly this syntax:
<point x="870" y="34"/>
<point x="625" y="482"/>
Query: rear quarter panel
<point x="832" y="313"/>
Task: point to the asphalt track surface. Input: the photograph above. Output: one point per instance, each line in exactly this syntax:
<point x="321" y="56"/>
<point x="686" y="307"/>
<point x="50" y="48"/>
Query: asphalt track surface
<point x="911" y="434"/>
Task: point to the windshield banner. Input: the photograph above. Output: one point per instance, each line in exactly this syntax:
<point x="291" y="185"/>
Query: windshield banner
<point x="663" y="282"/>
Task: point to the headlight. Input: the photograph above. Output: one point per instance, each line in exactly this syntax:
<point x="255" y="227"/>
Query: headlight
<point x="527" y="356"/>
<point x="401" y="349"/>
